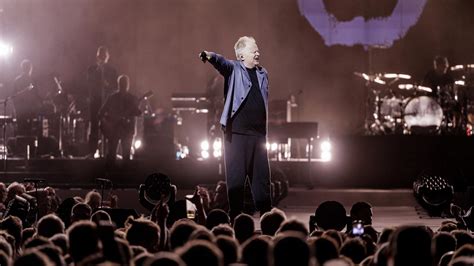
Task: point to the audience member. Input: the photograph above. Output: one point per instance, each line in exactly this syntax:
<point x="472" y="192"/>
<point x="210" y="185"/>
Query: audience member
<point x="217" y="217"/>
<point x="142" y="232"/>
<point x="229" y="248"/>
<point x="257" y="251"/>
<point x="293" y="225"/>
<point x="324" y="249"/>
<point x="32" y="257"/>
<point x="81" y="212"/>
<point x="271" y="221"/>
<point x="93" y="199"/>
<point x="180" y="232"/>
<point x="354" y="249"/>
<point x="410" y="245"/>
<point x="441" y="243"/>
<point x="244" y="227"/>
<point x="199" y="252"/>
<point x="165" y="259"/>
<point x="83" y="240"/>
<point x="291" y="249"/>
<point x="223" y="229"/>
<point x="50" y="225"/>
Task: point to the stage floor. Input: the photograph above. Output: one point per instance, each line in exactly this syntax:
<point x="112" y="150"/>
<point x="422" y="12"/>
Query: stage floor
<point x="391" y="208"/>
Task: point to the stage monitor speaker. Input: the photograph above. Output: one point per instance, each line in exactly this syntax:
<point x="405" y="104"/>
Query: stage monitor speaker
<point x="119" y="216"/>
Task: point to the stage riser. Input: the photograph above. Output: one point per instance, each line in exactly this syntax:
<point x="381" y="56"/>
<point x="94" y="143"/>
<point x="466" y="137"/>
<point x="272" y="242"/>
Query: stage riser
<point x="358" y="162"/>
<point x="395" y="161"/>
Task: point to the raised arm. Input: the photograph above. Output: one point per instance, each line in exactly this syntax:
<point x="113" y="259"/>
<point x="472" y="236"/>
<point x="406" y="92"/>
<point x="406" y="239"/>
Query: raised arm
<point x="219" y="62"/>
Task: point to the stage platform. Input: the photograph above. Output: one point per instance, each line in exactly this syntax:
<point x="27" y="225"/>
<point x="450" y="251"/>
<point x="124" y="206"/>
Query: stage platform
<point x="375" y="162"/>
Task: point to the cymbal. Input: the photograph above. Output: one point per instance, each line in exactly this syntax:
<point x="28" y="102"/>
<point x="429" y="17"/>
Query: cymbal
<point x="414" y="87"/>
<point x="396" y="76"/>
<point x="371" y="77"/>
<point x="462" y="67"/>
<point x="383" y="78"/>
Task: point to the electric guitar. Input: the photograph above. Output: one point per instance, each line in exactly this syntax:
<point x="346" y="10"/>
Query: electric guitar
<point x="119" y="125"/>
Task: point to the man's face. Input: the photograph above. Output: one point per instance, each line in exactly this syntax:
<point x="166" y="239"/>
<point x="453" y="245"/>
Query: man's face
<point x="103" y="57"/>
<point x="250" y="55"/>
<point x="441" y="67"/>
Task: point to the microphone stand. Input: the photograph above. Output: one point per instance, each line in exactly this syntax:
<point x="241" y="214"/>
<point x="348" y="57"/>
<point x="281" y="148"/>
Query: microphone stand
<point x="4" y="129"/>
<point x="102" y="182"/>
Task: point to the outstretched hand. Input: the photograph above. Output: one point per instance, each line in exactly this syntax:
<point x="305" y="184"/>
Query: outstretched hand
<point x="204" y="56"/>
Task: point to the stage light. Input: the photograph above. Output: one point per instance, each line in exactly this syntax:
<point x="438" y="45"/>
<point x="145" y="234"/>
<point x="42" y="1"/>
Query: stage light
<point x="156" y="189"/>
<point x="137" y="144"/>
<point x="5" y="49"/>
<point x="3" y="151"/>
<point x="217" y="148"/>
<point x="326" y="146"/>
<point x="326" y="156"/>
<point x="205" y="154"/>
<point x="217" y="154"/>
<point x="434" y="193"/>
<point x="186" y="150"/>
<point x="274" y="146"/>
<point x="182" y="152"/>
<point x="217" y="145"/>
<point x="204" y="145"/>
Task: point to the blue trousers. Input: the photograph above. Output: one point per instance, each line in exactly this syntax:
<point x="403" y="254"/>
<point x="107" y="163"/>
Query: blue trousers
<point x="246" y="155"/>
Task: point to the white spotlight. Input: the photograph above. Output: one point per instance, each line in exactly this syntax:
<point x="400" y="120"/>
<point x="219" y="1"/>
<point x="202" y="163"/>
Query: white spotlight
<point x="185" y="150"/>
<point x="326" y="145"/>
<point x="326" y="156"/>
<point x="137" y="144"/>
<point x="217" y="154"/>
<point x="274" y="146"/>
<point x="204" y="154"/>
<point x="5" y="49"/>
<point x="217" y="145"/>
<point x="205" y="145"/>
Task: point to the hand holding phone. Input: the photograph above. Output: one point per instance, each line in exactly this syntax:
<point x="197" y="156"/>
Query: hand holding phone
<point x="190" y="207"/>
<point x="357" y="228"/>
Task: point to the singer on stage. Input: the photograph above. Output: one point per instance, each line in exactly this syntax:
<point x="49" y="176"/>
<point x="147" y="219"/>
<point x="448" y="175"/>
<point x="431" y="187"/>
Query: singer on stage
<point x="244" y="120"/>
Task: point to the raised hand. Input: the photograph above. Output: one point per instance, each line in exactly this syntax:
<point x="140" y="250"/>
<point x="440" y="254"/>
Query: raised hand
<point x="204" y="56"/>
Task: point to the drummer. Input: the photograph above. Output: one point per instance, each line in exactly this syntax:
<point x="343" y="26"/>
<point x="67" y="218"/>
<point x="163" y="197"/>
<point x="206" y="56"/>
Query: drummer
<point x="438" y="77"/>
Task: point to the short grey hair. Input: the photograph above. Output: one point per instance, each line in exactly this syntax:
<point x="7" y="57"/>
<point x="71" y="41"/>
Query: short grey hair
<point x="241" y="44"/>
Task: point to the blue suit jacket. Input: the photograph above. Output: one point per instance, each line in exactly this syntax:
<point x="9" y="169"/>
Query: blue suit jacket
<point x="237" y="84"/>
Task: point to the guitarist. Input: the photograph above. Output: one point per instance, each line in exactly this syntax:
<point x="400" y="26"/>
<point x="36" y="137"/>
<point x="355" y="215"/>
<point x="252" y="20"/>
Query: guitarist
<point x="117" y="120"/>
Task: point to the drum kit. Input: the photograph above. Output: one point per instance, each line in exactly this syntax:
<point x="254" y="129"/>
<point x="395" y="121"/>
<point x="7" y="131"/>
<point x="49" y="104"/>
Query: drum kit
<point x="397" y="105"/>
